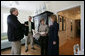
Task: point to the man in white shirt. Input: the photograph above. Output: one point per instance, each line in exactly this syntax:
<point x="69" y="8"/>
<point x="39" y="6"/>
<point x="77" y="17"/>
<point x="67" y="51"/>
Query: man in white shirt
<point x="28" y="33"/>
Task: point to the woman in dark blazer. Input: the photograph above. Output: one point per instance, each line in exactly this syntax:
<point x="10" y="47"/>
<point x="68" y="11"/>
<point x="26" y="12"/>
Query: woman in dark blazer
<point x="53" y="41"/>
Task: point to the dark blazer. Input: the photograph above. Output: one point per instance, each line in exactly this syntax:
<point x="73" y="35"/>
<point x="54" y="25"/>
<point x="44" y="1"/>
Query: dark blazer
<point x="27" y="28"/>
<point x="15" y="28"/>
<point x="53" y="36"/>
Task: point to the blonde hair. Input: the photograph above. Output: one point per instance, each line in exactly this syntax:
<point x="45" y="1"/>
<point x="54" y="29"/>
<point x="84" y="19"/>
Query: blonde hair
<point x="54" y="17"/>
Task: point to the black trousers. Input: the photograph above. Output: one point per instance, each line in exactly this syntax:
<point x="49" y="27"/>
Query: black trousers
<point x="44" y="44"/>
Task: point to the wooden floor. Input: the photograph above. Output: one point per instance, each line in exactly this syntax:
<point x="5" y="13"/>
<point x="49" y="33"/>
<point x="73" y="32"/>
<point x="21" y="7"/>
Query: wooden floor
<point x="30" y="51"/>
<point x="65" y="49"/>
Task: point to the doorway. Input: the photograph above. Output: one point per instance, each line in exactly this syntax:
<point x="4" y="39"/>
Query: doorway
<point x="78" y="27"/>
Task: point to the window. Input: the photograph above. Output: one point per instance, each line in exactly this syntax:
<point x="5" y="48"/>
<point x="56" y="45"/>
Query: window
<point x="4" y="26"/>
<point x="4" y="40"/>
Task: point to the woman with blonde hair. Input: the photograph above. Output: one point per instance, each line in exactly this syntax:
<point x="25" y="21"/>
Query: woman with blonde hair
<point x="53" y="41"/>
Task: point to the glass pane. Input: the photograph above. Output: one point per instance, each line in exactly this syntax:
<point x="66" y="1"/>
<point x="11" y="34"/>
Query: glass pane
<point x="5" y="27"/>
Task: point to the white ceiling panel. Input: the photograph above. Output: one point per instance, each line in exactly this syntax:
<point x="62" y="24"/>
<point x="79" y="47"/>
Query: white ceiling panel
<point x="25" y="5"/>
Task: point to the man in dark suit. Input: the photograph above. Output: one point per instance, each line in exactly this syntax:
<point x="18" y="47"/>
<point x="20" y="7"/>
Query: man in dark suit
<point x="28" y="33"/>
<point x="15" y="31"/>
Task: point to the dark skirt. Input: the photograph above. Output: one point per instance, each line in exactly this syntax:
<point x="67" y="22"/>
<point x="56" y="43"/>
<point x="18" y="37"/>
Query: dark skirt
<point x="53" y="49"/>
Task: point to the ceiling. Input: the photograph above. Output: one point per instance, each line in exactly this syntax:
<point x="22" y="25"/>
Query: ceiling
<point x="24" y="5"/>
<point x="52" y="6"/>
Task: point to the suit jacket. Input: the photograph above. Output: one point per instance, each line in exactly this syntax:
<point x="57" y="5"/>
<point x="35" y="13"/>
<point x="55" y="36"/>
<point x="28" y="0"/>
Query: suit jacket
<point x="27" y="27"/>
<point x="15" y="28"/>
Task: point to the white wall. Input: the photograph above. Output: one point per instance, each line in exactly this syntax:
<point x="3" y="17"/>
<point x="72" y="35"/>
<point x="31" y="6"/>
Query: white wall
<point x="1" y="24"/>
<point x="82" y="26"/>
<point x="23" y="15"/>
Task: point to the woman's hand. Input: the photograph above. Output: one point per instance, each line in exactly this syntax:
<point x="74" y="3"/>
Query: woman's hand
<point x="26" y="25"/>
<point x="54" y="42"/>
<point x="44" y="34"/>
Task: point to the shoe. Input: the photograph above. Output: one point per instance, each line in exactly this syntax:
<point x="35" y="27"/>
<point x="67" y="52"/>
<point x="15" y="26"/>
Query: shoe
<point x="33" y="48"/>
<point x="26" y="50"/>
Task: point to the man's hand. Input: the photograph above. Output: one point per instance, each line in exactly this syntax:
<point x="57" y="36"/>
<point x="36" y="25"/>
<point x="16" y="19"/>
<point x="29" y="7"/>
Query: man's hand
<point x="54" y="42"/>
